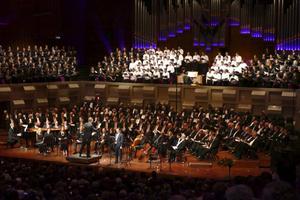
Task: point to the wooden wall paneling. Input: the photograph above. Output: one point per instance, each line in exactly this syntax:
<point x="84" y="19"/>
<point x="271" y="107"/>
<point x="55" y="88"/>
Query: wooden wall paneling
<point x="273" y="101"/>
<point x="259" y="98"/>
<point x="112" y="91"/>
<point x="288" y="102"/>
<point x="216" y="97"/>
<point x="64" y="101"/>
<point x="244" y="107"/>
<point x="124" y="93"/>
<point x="244" y="96"/>
<point x="63" y="90"/>
<point x="137" y="92"/>
<point x="41" y="103"/>
<point x="74" y="93"/>
<point x="229" y="97"/>
<point x="162" y="94"/>
<point x="112" y="101"/>
<point x="175" y="96"/>
<point x="188" y="94"/>
<point x="5" y="93"/>
<point x="29" y="95"/>
<point x="18" y="104"/>
<point x="87" y="89"/>
<point x="52" y="93"/>
<point x="201" y="97"/>
<point x="100" y="90"/>
<point x="274" y="97"/>
<point x="274" y="109"/>
<point x="41" y="91"/>
<point x="149" y="94"/>
<point x="188" y="99"/>
<point x="137" y="96"/>
<point x="297" y="111"/>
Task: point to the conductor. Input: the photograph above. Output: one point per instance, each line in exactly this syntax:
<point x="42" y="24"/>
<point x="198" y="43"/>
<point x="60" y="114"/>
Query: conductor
<point x="88" y="130"/>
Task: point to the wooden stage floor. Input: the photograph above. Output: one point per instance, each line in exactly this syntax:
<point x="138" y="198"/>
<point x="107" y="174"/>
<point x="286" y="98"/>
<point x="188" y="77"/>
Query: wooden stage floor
<point x="200" y="169"/>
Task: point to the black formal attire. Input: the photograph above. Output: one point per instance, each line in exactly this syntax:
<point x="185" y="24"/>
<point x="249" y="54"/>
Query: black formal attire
<point x="119" y="139"/>
<point x="86" y="138"/>
<point x="12" y="137"/>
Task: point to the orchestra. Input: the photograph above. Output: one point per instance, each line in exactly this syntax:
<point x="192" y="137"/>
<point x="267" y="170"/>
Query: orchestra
<point x="155" y="130"/>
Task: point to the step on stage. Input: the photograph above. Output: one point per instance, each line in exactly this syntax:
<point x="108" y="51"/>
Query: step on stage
<point x="75" y="158"/>
<point x="192" y="167"/>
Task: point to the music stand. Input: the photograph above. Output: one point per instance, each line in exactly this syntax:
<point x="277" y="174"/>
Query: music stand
<point x="192" y="75"/>
<point x="126" y="162"/>
<point x="109" y="151"/>
<point x="170" y="160"/>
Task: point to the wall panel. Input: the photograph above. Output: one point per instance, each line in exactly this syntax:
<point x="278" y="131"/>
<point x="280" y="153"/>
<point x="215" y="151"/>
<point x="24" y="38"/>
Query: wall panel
<point x="280" y="101"/>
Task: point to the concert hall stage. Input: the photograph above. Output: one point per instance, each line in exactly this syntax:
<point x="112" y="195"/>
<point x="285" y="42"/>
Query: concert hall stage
<point x="191" y="168"/>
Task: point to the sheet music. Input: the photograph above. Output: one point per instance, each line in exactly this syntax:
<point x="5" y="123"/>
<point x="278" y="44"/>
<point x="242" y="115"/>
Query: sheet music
<point x="25" y="127"/>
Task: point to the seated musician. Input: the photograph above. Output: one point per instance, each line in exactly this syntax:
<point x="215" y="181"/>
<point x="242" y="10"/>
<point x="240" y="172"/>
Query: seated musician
<point x="30" y="125"/>
<point x="244" y="142"/>
<point x="44" y="142"/>
<point x="21" y="128"/>
<point x="234" y="133"/>
<point x="179" y="147"/>
<point x="78" y="139"/>
<point x="55" y="123"/>
<point x="197" y="142"/>
<point x="210" y="145"/>
<point x="72" y="124"/>
<point x="103" y="140"/>
<point x="138" y="142"/>
<point x="161" y="144"/>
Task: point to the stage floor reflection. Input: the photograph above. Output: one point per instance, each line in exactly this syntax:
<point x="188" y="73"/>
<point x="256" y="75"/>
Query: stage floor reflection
<point x="190" y="168"/>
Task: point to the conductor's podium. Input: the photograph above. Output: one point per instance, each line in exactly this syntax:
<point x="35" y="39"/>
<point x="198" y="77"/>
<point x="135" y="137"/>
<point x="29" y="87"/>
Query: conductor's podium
<point x="83" y="159"/>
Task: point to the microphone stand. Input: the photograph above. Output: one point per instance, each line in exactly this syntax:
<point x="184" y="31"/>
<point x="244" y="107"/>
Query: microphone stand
<point x="170" y="161"/>
<point x="109" y="151"/>
<point x="176" y="88"/>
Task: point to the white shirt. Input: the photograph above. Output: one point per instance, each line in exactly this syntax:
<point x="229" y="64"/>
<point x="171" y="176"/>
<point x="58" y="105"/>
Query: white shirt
<point x="238" y="59"/>
<point x="166" y="75"/>
<point x="196" y="58"/>
<point x="188" y="58"/>
<point x="217" y="76"/>
<point x="209" y="76"/>
<point x="132" y="66"/>
<point x="171" y="69"/>
<point x="204" y="59"/>
<point x="156" y="75"/>
<point x="225" y="76"/>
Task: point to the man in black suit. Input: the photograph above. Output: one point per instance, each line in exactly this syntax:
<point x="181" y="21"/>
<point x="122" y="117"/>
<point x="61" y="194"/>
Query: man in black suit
<point x="12" y="137"/>
<point x="87" y="137"/>
<point x="119" y="139"/>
